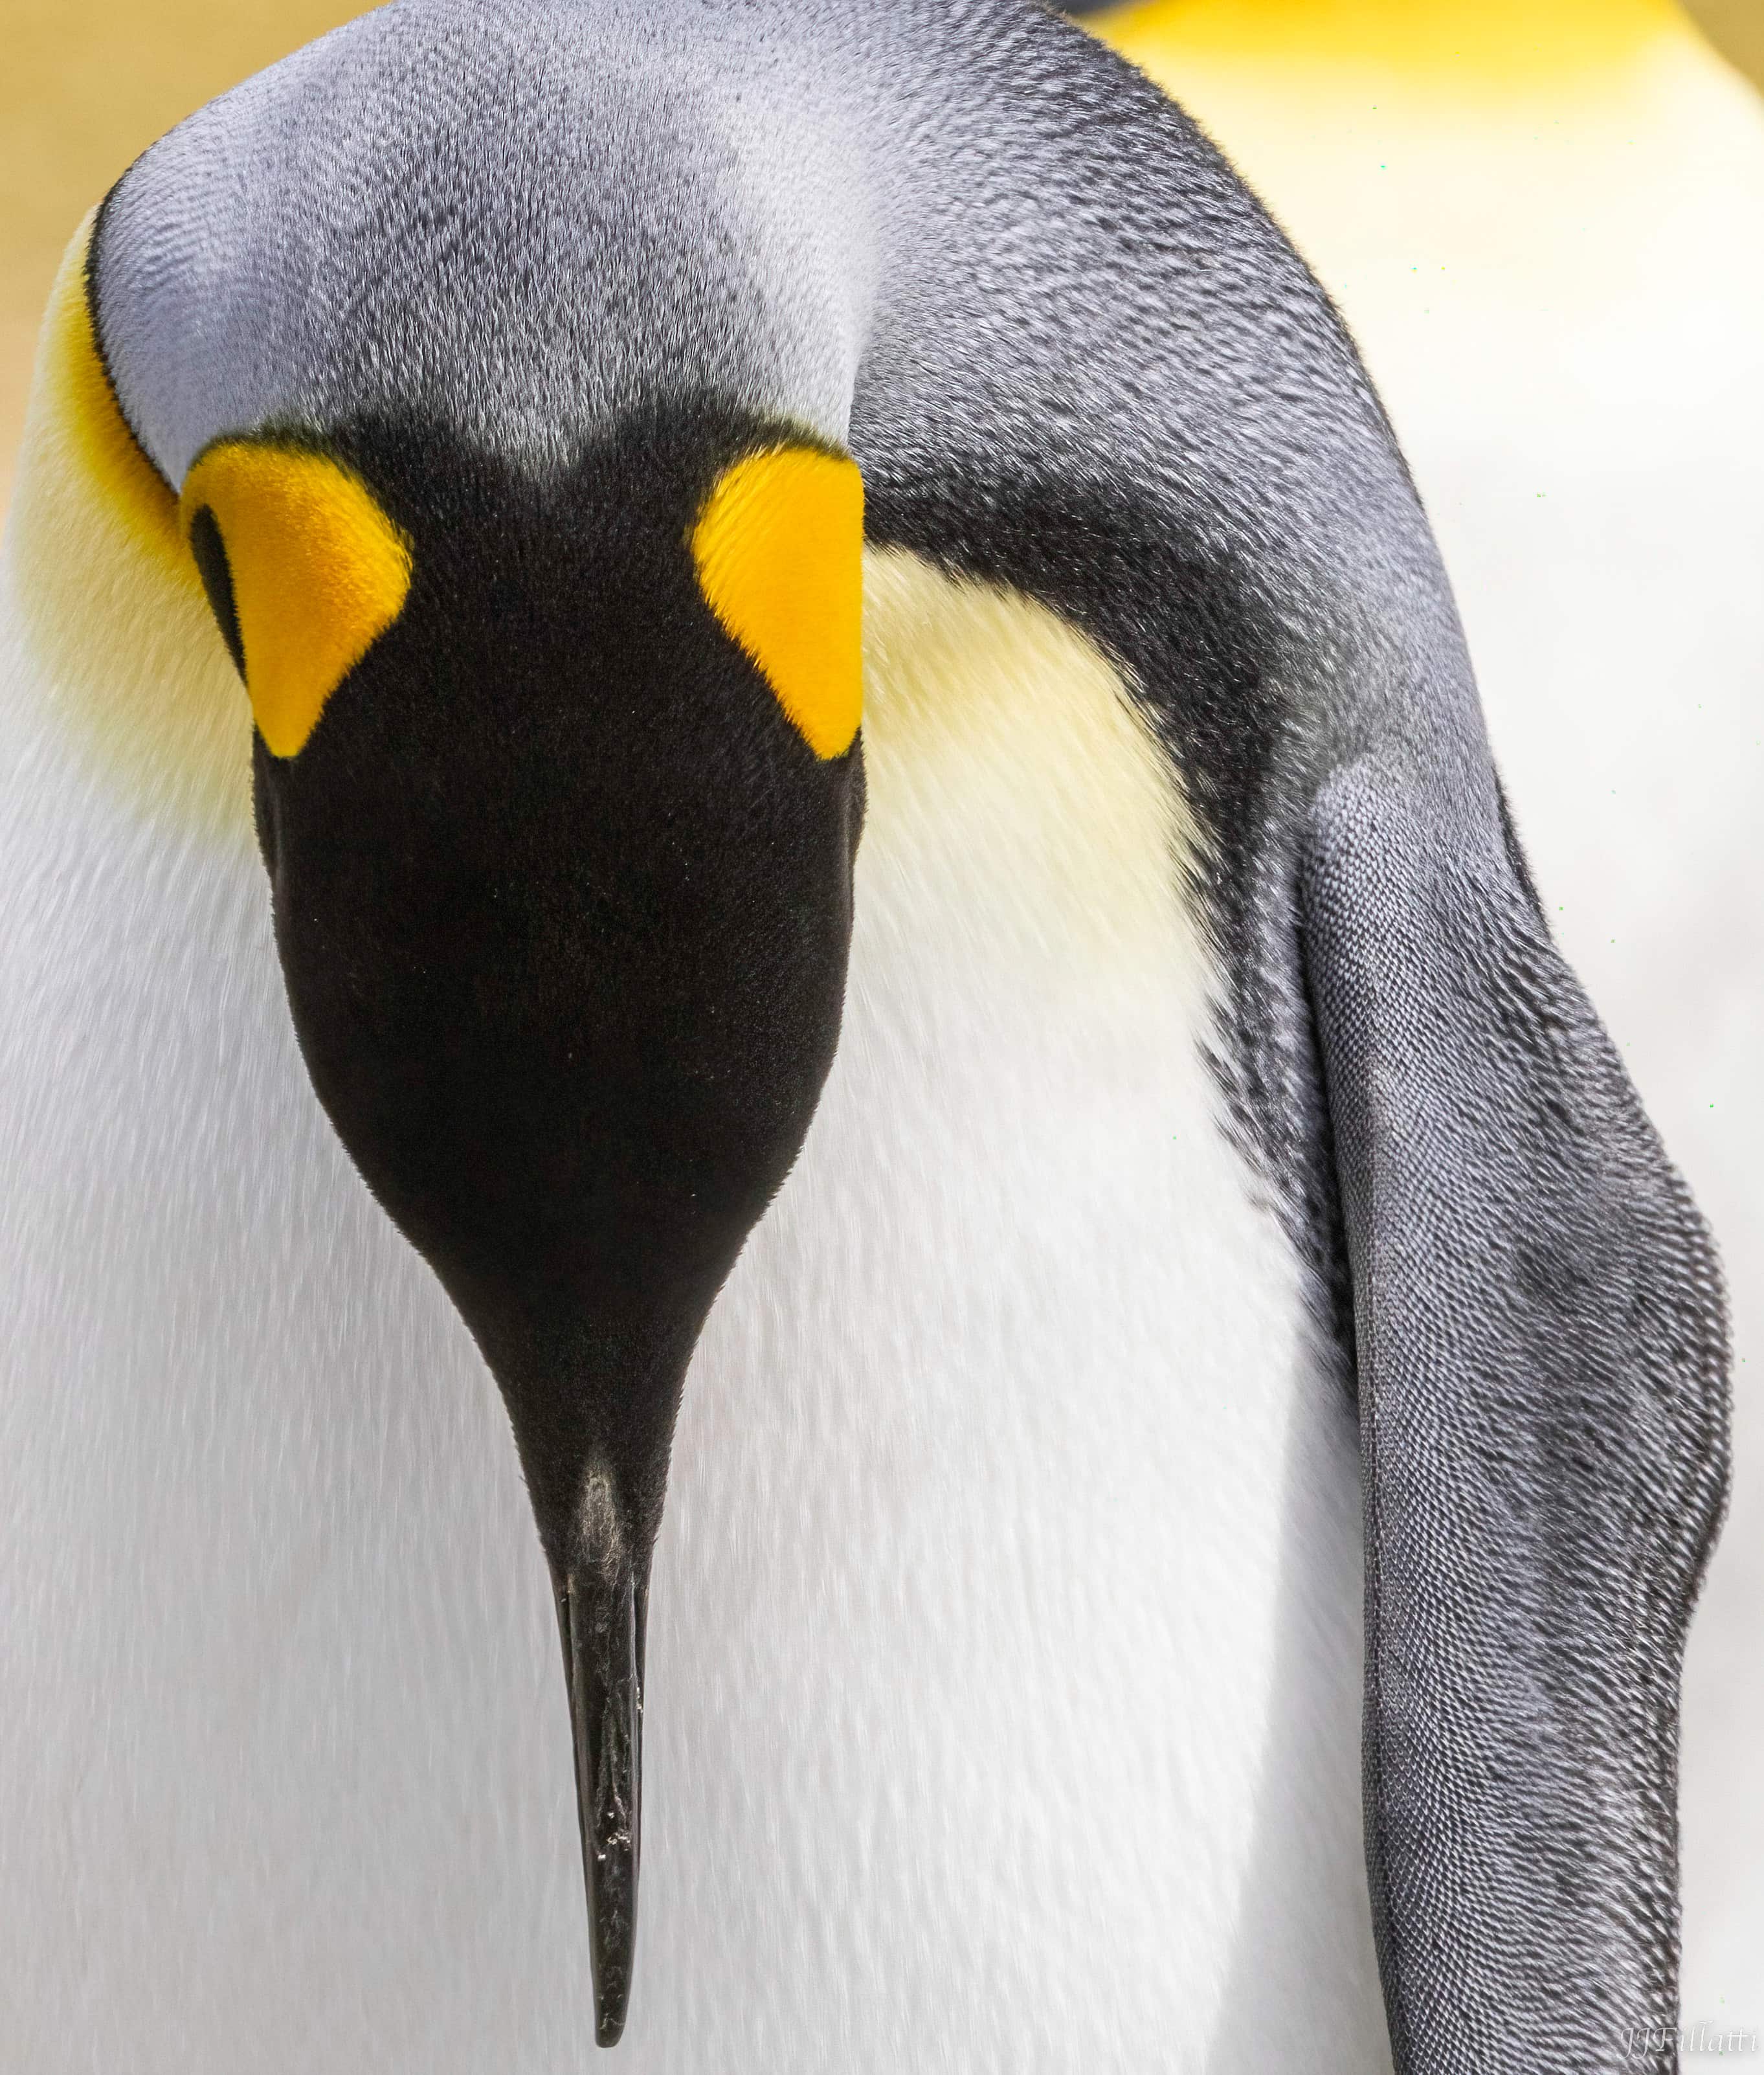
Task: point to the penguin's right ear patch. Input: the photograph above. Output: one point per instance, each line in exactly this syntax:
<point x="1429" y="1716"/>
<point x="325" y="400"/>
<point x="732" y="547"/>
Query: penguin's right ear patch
<point x="304" y="572"/>
<point x="779" y="550"/>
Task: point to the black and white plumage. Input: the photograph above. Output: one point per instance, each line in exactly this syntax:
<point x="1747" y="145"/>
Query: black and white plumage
<point x="1003" y="1675"/>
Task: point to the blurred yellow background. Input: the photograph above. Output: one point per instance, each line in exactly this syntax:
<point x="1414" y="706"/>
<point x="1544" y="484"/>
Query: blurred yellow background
<point x="86" y="89"/>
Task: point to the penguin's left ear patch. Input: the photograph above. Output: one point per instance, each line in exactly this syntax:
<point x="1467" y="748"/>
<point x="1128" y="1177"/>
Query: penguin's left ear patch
<point x="779" y="550"/>
<point x="304" y="571"/>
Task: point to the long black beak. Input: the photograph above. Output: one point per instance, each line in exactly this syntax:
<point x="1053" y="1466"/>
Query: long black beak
<point x="601" y="1605"/>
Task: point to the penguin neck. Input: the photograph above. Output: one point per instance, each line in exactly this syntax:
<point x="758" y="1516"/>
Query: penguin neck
<point x="1012" y="1524"/>
<point x="1004" y="1443"/>
<point x="995" y="730"/>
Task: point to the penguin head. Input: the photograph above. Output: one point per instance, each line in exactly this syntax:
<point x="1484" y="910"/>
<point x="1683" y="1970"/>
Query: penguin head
<point x="558" y="786"/>
<point x="492" y="393"/>
<point x="561" y="862"/>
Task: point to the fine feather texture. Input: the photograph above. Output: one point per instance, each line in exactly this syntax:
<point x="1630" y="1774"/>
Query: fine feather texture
<point x="1080" y="370"/>
<point x="941" y="1515"/>
<point x="1520" y="1584"/>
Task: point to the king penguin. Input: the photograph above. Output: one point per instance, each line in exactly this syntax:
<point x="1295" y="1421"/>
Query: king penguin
<point x="739" y="714"/>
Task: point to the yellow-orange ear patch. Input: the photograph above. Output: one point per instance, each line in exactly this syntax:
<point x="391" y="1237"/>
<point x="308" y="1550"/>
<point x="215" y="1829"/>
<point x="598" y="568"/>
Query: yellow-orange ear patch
<point x="779" y="549"/>
<point x="316" y="572"/>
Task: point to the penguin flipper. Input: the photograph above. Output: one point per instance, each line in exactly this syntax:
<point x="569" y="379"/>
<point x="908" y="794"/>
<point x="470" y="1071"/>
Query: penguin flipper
<point x="1541" y="1358"/>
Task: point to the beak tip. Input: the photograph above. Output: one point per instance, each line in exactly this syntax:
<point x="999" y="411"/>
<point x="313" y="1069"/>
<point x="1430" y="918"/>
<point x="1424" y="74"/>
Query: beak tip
<point x="612" y="1925"/>
<point x="598" y="1615"/>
